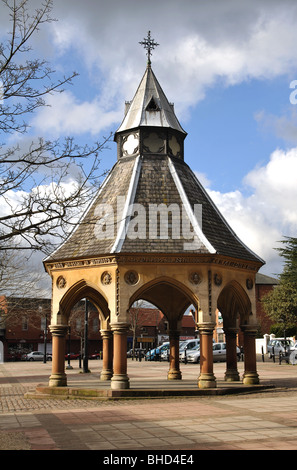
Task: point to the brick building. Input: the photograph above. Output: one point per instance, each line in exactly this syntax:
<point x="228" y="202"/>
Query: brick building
<point x="152" y="327"/>
<point x="264" y="284"/>
<point x="24" y="327"/>
<point x="24" y="321"/>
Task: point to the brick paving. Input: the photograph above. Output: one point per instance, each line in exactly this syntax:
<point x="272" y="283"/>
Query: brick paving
<point x="266" y="420"/>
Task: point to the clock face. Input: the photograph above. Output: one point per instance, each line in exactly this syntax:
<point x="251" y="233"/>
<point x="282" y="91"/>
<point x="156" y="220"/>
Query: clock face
<point x="130" y="144"/>
<point x="174" y="145"/>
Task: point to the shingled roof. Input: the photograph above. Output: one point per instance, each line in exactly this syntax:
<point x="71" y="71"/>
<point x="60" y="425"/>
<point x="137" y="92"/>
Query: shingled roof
<point x="145" y="181"/>
<point x="150" y="97"/>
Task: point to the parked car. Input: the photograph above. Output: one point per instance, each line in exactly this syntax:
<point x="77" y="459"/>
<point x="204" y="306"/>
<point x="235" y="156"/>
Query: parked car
<point x="14" y="357"/>
<point x="156" y="353"/>
<point x="72" y="356"/>
<point x="37" y="356"/>
<point x="219" y="353"/>
<point x="186" y="353"/>
<point x="279" y="345"/>
<point x="165" y="351"/>
<point x="186" y="347"/>
<point x="137" y="352"/>
<point x="95" y="356"/>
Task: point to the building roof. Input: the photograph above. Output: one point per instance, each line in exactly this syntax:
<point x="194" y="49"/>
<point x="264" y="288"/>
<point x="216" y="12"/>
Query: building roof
<point x="152" y="181"/>
<point x="263" y="279"/>
<point x="146" y="181"/>
<point x="153" y="316"/>
<point x="149" y="97"/>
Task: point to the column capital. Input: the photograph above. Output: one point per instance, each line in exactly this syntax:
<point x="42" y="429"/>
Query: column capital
<point x="59" y="330"/>
<point x="231" y="331"/>
<point x="249" y="330"/>
<point x="120" y="328"/>
<point x="206" y="328"/>
<point x="106" y="333"/>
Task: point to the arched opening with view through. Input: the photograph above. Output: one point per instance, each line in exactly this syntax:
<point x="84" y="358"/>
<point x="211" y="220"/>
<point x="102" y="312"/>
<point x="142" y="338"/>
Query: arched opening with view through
<point x="76" y="306"/>
<point x="236" y="309"/>
<point x="172" y="298"/>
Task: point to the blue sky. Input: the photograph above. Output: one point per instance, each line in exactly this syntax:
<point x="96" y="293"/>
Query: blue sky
<point x="227" y="65"/>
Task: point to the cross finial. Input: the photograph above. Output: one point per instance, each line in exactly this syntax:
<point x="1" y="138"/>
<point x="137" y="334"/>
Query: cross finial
<point x="149" y="44"/>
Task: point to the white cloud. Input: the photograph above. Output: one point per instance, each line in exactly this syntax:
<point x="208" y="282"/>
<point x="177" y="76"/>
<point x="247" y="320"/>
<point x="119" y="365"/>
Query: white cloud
<point x="202" y="44"/>
<point x="203" y="179"/>
<point x="284" y="127"/>
<point x="269" y="213"/>
<point x="69" y="116"/>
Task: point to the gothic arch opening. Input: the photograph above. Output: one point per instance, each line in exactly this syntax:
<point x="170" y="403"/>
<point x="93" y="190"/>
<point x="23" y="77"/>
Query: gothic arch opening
<point x="84" y="309"/>
<point x="234" y="303"/>
<point x="168" y="295"/>
<point x="172" y="298"/>
<point x="82" y="290"/>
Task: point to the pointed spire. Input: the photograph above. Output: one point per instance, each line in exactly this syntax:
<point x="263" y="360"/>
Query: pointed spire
<point x="150" y="107"/>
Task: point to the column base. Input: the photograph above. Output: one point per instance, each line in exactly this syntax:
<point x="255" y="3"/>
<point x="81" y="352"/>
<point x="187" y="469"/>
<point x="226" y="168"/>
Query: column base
<point x="58" y="380"/>
<point x="232" y="375"/>
<point x="106" y="375"/>
<point x="120" y="382"/>
<point x="174" y="374"/>
<point x="207" y="380"/>
<point x="250" y="378"/>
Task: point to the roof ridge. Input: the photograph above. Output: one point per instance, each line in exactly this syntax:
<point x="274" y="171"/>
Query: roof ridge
<point x="137" y="115"/>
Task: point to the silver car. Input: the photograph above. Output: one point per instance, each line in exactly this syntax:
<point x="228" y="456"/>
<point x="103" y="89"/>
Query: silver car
<point x="37" y="356"/>
<point x="186" y="347"/>
<point x="279" y="345"/>
<point x="219" y="353"/>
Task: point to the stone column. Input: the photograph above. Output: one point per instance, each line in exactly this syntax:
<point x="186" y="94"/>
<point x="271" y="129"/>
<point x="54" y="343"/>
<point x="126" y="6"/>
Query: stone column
<point x="231" y="373"/>
<point x="107" y="363"/>
<point x="174" y="370"/>
<point x="58" y="377"/>
<point x="250" y="376"/>
<point x="120" y="379"/>
<point x="206" y="378"/>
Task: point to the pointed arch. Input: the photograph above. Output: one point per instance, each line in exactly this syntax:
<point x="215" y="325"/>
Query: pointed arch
<point x="169" y="295"/>
<point x="80" y="290"/>
<point x="232" y="302"/>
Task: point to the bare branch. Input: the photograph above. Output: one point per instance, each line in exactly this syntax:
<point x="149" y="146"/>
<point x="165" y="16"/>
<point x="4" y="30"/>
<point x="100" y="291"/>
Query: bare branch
<point x="44" y="184"/>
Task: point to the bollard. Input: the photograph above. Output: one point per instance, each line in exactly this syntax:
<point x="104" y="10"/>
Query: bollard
<point x="272" y="354"/>
<point x="263" y="359"/>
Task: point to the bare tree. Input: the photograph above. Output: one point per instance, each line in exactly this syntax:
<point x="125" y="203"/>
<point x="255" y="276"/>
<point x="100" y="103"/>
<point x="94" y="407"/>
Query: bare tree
<point x="38" y="204"/>
<point x="137" y="320"/>
<point x="17" y="287"/>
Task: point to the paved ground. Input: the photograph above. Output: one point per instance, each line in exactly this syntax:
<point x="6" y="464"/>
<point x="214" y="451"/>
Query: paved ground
<point x="265" y="420"/>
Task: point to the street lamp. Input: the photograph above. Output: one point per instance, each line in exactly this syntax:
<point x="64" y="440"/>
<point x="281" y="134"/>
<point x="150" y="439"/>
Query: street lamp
<point x="69" y="366"/>
<point x="85" y="360"/>
<point x="44" y="335"/>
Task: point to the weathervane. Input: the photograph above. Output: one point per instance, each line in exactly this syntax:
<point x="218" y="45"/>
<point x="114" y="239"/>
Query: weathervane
<point x="149" y="44"/>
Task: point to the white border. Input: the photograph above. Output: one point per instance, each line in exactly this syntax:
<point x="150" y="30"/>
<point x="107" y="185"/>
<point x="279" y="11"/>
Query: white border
<point x="117" y="246"/>
<point x="188" y="208"/>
